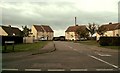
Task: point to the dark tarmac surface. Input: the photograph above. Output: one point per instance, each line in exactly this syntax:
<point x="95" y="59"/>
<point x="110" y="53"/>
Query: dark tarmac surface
<point x="68" y="56"/>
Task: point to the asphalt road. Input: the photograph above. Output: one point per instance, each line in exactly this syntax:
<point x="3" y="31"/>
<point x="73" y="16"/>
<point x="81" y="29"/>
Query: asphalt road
<point x="68" y="56"/>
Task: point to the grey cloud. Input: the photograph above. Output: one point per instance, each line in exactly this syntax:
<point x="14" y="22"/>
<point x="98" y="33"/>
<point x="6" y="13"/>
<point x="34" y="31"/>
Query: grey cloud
<point x="37" y="1"/>
<point x="58" y="15"/>
<point x="119" y="11"/>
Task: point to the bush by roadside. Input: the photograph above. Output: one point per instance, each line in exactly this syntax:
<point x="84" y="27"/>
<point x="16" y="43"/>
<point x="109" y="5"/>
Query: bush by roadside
<point x="95" y="43"/>
<point x="109" y="41"/>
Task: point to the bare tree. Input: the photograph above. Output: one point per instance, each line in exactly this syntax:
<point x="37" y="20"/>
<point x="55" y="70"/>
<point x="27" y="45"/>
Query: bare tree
<point x="92" y="28"/>
<point x="82" y="33"/>
<point x="101" y="30"/>
<point x="26" y="31"/>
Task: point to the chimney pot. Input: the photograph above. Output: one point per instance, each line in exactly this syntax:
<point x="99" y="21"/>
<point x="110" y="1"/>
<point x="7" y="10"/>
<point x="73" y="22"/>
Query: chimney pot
<point x="9" y="25"/>
<point x="110" y="23"/>
<point x="76" y="25"/>
<point x="75" y="21"/>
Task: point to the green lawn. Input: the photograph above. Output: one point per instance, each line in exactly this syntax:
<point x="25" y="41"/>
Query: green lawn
<point x="95" y="43"/>
<point x="112" y="47"/>
<point x="25" y="47"/>
<point x="90" y="42"/>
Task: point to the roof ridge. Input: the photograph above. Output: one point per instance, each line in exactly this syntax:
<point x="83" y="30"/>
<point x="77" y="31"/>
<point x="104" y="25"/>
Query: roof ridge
<point x="43" y="28"/>
<point x="11" y="27"/>
<point x="113" y="26"/>
<point x="40" y="25"/>
<point x="44" y="25"/>
<point x="74" y="28"/>
<point x="11" y="30"/>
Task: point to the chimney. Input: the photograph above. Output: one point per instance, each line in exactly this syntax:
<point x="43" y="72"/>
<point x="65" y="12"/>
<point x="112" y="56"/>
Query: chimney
<point x="110" y="23"/>
<point x="75" y="21"/>
<point x="9" y="25"/>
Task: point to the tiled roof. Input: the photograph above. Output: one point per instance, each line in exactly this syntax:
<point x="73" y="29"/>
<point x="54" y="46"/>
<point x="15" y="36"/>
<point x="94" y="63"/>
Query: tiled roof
<point x="43" y="28"/>
<point x="75" y="28"/>
<point x="11" y="30"/>
<point x="111" y="26"/>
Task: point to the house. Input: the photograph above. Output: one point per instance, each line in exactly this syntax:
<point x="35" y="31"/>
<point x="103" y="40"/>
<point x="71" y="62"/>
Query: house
<point x="71" y="34"/>
<point x="111" y="29"/>
<point x="42" y="32"/>
<point x="9" y="31"/>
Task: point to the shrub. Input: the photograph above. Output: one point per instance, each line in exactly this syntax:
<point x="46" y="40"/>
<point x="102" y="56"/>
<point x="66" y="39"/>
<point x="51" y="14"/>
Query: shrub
<point x="109" y="41"/>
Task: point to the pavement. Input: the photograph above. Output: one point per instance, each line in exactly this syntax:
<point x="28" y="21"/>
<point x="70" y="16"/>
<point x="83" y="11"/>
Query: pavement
<point x="46" y="49"/>
<point x="50" y="47"/>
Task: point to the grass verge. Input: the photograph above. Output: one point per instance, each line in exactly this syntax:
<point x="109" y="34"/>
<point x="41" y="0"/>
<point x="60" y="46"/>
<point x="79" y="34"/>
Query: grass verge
<point x="95" y="43"/>
<point x="25" y="47"/>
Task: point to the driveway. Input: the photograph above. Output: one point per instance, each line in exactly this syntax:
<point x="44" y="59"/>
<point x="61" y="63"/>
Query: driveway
<point x="68" y="56"/>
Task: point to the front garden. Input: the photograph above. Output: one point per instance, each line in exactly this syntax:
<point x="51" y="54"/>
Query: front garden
<point x="24" y="47"/>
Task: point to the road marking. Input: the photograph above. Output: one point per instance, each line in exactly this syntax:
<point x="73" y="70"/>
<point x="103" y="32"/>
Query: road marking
<point x="103" y="61"/>
<point x="104" y="69"/>
<point x="75" y="49"/>
<point x="56" y="69"/>
<point x="32" y="69"/>
<point x="10" y="69"/>
<point x="102" y="54"/>
<point x="78" y="70"/>
<point x="69" y="46"/>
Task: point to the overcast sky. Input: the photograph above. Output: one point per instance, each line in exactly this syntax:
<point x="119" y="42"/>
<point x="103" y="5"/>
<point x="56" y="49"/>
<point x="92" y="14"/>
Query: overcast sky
<point x="58" y="14"/>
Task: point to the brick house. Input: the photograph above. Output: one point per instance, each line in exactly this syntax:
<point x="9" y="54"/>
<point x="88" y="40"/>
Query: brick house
<point x="111" y="29"/>
<point x="70" y="33"/>
<point x="42" y="32"/>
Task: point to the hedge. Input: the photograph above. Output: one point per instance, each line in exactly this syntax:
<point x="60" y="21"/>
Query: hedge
<point x="109" y="41"/>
